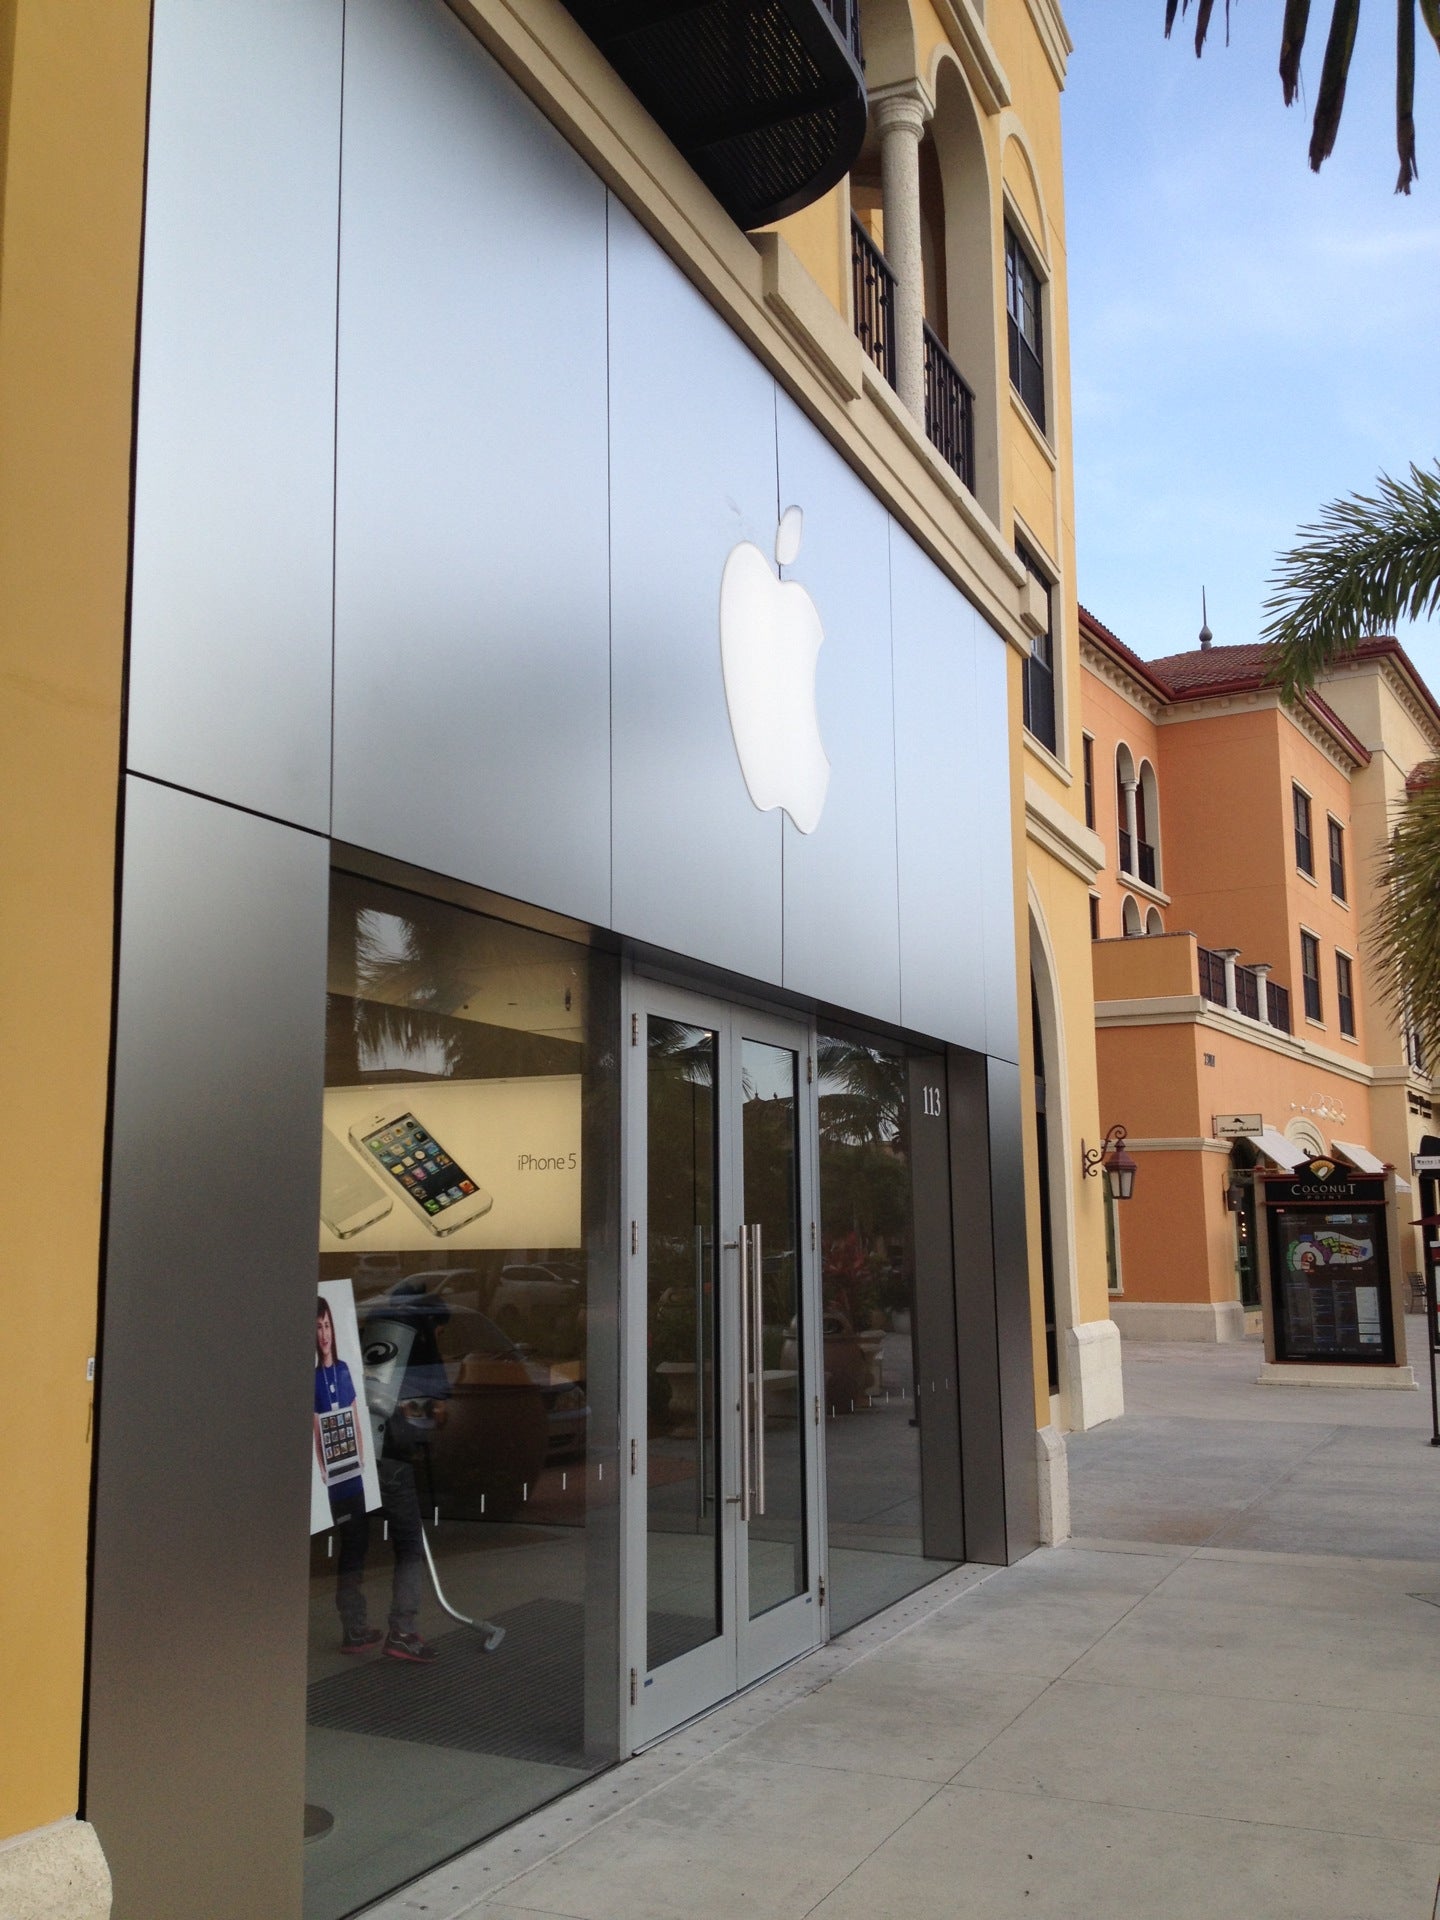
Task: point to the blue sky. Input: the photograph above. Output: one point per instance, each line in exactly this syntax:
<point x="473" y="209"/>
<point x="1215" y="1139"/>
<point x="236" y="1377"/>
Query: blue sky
<point x="1248" y="340"/>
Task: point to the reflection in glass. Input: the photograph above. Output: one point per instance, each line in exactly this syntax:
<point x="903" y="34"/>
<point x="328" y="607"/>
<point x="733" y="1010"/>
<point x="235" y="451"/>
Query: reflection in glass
<point x="469" y="1190"/>
<point x="771" y="1211"/>
<point x="683" y="1568"/>
<point x="872" y="1424"/>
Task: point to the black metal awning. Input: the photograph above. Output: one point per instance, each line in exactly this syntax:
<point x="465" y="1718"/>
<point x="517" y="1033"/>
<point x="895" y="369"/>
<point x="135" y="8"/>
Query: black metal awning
<point x="765" y="98"/>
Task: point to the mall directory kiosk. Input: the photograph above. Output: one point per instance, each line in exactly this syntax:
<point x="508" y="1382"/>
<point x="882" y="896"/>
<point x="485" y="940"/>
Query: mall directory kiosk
<point x="1329" y="1298"/>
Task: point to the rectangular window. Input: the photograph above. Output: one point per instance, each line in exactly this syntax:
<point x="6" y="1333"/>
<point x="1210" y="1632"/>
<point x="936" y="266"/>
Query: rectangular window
<point x="1345" y="994"/>
<point x="1024" y="327"/>
<point x="1310" y="972"/>
<point x="1094" y="916"/>
<point x="1304" y="845"/>
<point x="465" y="1313"/>
<point x="1039" y="679"/>
<point x="1087" y="747"/>
<point x="1337" y="860"/>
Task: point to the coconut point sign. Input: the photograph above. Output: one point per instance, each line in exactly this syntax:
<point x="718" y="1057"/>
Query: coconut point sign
<point x="1324" y="1182"/>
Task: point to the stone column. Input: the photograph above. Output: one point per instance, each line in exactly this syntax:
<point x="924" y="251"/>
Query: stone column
<point x="900" y="115"/>
<point x="1230" y="955"/>
<point x="1132" y="828"/>
<point x="1261" y="971"/>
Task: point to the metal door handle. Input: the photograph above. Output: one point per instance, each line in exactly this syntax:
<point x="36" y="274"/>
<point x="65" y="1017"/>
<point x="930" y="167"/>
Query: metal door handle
<point x="757" y="1324"/>
<point x="744" y="1290"/>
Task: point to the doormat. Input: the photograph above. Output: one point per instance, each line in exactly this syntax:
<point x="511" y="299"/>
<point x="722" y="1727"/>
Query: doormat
<point x="526" y="1701"/>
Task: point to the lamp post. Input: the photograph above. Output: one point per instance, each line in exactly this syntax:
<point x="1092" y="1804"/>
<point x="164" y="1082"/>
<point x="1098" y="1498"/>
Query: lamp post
<point x="1119" y="1167"/>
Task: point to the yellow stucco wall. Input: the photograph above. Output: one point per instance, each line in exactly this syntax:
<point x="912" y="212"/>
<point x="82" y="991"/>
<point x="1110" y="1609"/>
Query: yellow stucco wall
<point x="69" y="259"/>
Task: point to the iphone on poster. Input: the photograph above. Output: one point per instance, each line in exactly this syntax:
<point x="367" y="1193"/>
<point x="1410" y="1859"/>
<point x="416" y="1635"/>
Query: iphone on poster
<point x="415" y="1165"/>
<point x="350" y="1199"/>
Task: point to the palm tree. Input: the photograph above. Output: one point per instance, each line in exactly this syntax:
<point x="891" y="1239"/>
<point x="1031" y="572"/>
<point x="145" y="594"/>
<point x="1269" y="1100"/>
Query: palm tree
<point x="1367" y="562"/>
<point x="1335" y="68"/>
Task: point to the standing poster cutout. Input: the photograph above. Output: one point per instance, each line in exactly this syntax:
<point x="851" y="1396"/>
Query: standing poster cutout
<point x="343" y="1447"/>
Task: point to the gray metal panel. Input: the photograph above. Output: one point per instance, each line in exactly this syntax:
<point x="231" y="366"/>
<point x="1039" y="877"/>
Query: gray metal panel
<point x="196" y="1750"/>
<point x="692" y="437"/>
<point x="472" y="728"/>
<point x="942" y="1492"/>
<point x="982" y="1452"/>
<point x="230" y="652"/>
<point x="842" y="914"/>
<point x="1012" y="1311"/>
<point x="942" y="808"/>
<point x="995" y="861"/>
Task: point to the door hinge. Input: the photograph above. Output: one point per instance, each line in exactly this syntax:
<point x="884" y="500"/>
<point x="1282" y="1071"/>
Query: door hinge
<point x="822" y="1589"/>
<point x="634" y="1691"/>
<point x="817" y="1409"/>
<point x="634" y="1237"/>
<point x="809" y="1069"/>
<point x="634" y="1029"/>
<point x="812" y="1236"/>
<point x="634" y="1456"/>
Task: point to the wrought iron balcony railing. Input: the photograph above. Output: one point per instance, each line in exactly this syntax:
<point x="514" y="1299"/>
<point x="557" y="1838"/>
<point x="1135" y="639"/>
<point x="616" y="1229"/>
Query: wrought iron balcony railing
<point x="949" y="409"/>
<point x="1247" y="991"/>
<point x="1147" y="863"/>
<point x="874" y="292"/>
<point x="1212" y="975"/>
<point x="765" y="98"/>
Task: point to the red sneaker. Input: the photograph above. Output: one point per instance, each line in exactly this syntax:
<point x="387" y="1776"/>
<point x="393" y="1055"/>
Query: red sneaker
<point x="409" y="1646"/>
<point x="365" y="1641"/>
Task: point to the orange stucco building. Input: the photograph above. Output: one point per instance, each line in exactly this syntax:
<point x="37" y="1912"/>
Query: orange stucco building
<point x="1237" y="1027"/>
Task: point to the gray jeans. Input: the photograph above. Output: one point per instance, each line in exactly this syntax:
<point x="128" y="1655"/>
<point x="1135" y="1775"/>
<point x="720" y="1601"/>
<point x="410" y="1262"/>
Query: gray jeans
<point x="400" y="1504"/>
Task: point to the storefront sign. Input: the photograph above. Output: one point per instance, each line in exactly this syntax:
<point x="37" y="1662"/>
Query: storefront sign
<point x="1425" y="1162"/>
<point x="1238" y="1126"/>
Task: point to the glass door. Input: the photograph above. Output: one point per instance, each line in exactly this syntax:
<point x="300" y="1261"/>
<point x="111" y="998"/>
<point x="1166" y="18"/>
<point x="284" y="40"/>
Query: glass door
<point x="723" y="1534"/>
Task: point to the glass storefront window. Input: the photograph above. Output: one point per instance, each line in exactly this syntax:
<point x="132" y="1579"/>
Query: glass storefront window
<point x="874" y="1491"/>
<point x="463" y="1646"/>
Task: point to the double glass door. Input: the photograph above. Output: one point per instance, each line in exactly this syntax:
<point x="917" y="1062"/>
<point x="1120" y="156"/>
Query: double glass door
<point x="723" y="1387"/>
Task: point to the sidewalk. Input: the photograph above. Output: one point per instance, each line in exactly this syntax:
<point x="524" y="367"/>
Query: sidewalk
<point x="1222" y="1698"/>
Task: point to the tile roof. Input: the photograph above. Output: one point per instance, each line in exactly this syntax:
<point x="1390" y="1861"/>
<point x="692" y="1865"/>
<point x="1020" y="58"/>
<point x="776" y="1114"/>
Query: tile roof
<point x="1205" y="671"/>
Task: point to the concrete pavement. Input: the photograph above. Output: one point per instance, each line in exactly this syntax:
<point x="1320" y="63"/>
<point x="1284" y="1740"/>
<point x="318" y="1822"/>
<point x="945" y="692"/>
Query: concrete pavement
<point x="1221" y="1699"/>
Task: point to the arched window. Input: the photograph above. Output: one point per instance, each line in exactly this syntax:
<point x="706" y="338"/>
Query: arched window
<point x="1130" y="918"/>
<point x="1147" y="819"/>
<point x="1126" y="803"/>
<point x="1153" y="922"/>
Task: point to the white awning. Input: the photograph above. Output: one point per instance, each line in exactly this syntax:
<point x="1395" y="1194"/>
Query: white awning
<point x="1360" y="1158"/>
<point x="1276" y="1147"/>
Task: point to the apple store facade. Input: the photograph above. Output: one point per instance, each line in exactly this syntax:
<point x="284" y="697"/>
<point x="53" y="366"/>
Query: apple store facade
<point x="565" y="1252"/>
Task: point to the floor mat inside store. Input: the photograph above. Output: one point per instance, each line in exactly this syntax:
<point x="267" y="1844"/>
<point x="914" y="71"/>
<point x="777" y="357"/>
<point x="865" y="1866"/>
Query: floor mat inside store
<point x="525" y="1701"/>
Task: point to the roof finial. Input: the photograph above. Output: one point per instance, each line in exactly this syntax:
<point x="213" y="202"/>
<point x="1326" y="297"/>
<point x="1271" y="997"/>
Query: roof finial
<point x="1205" y="634"/>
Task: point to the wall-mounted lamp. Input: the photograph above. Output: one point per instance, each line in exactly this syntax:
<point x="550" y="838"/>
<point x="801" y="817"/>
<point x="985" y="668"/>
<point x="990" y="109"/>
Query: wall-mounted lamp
<point x="1235" y="1191"/>
<point x="1119" y="1168"/>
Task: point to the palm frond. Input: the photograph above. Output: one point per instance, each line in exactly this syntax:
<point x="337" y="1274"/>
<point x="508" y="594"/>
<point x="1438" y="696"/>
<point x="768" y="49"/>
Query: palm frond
<point x="1292" y="45"/>
<point x="1405" y="92"/>
<point x="1366" y="563"/>
<point x="1405" y="932"/>
<point x="1330" y="103"/>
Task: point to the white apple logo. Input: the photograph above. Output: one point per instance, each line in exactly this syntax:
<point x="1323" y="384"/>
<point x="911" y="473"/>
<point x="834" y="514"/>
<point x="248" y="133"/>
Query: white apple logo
<point x="770" y="635"/>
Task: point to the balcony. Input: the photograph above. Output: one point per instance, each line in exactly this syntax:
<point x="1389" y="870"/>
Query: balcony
<point x="873" y="285"/>
<point x="1146" y="869"/>
<point x="949" y="409"/>
<point x="949" y="398"/>
<point x="765" y="98"/>
<point x="1211" y="969"/>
